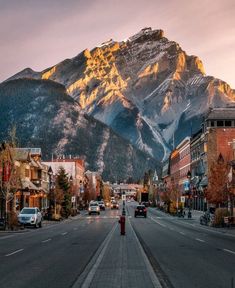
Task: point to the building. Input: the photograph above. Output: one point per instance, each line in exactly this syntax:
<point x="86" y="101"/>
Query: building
<point x="75" y="168"/>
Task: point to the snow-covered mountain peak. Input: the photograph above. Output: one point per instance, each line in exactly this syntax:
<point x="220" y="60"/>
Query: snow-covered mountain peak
<point x="147" y="34"/>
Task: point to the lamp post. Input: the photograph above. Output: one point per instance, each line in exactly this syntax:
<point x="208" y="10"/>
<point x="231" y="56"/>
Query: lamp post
<point x="189" y="175"/>
<point x="50" y="174"/>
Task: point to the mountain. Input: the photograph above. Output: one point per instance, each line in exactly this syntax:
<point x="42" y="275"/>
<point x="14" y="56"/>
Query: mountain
<point x="45" y="116"/>
<point x="146" y="88"/>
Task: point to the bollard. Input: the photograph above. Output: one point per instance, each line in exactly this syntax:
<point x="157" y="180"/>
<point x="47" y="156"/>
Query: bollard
<point x="122" y="222"/>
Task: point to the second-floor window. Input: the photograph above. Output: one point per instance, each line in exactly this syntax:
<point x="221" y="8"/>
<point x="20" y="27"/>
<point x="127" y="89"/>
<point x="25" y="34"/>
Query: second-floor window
<point x="26" y="172"/>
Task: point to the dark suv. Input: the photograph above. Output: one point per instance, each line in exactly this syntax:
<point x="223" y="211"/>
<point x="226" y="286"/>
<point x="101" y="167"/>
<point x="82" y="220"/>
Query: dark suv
<point x="141" y="210"/>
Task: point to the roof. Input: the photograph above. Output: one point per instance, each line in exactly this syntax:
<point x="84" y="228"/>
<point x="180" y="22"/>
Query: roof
<point x="28" y="184"/>
<point x="221" y="114"/>
<point x="21" y="155"/>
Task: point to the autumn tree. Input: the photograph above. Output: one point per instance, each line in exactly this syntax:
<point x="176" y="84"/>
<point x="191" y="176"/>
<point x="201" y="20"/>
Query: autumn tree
<point x="9" y="179"/>
<point x="217" y="191"/>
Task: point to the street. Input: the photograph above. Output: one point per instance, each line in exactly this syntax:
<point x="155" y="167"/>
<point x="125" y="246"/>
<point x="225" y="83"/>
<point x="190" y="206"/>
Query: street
<point x="189" y="255"/>
<point x="88" y="251"/>
<point x="53" y="256"/>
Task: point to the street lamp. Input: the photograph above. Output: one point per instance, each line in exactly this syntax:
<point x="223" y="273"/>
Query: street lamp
<point x="50" y="174"/>
<point x="189" y="175"/>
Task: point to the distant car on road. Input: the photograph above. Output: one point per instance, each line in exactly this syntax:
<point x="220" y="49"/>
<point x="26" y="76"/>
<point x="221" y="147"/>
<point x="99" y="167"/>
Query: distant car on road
<point x="141" y="210"/>
<point x="94" y="208"/>
<point x="102" y="205"/>
<point x="30" y="216"/>
<point x="114" y="205"/>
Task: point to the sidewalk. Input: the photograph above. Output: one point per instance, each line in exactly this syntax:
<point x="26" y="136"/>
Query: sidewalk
<point x="121" y="263"/>
<point x="44" y="223"/>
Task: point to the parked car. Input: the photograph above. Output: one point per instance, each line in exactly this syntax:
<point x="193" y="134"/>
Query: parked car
<point x="141" y="210"/>
<point x="94" y="208"/>
<point x="114" y="205"/>
<point x="30" y="216"/>
<point x="102" y="205"/>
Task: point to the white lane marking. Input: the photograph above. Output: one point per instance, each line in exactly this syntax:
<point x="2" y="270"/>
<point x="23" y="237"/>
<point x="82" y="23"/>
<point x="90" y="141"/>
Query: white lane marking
<point x="157" y="222"/>
<point x="229" y="251"/>
<point x="64" y="233"/>
<point x="182" y="233"/>
<point x="17" y="251"/>
<point x="47" y="240"/>
<point x="200" y="240"/>
<point x="75" y="228"/>
<point x="172" y="229"/>
<point x="6" y="237"/>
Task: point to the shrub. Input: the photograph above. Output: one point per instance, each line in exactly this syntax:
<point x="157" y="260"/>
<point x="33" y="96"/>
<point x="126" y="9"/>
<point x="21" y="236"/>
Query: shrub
<point x="220" y="213"/>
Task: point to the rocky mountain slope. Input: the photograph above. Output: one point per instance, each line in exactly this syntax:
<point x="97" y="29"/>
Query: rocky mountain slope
<point x="146" y="88"/>
<point x="46" y="116"/>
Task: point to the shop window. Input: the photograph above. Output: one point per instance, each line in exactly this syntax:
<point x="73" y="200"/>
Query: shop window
<point x="212" y="123"/>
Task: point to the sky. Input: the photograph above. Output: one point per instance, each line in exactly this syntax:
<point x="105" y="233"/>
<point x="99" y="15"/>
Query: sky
<point x="41" y="33"/>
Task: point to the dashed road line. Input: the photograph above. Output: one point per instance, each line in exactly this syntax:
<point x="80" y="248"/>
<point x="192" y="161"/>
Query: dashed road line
<point x="200" y="240"/>
<point x="17" y="251"/>
<point x="229" y="251"/>
<point x="182" y="233"/>
<point x="157" y="222"/>
<point x="47" y="240"/>
<point x="6" y="237"/>
<point x="64" y="233"/>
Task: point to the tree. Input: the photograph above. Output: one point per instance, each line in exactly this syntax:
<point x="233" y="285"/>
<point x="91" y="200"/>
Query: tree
<point x="217" y="191"/>
<point x="63" y="185"/>
<point x="9" y="181"/>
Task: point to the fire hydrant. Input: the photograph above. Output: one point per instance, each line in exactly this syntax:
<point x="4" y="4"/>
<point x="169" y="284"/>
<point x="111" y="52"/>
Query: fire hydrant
<point x="122" y="222"/>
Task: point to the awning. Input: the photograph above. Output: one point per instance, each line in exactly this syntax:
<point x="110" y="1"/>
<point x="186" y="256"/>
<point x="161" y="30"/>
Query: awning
<point x="204" y="181"/>
<point x="43" y="190"/>
<point x="28" y="184"/>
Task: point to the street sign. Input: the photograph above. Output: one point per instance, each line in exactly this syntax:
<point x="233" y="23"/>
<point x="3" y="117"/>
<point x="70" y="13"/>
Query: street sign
<point x="73" y="199"/>
<point x="123" y="197"/>
<point x="182" y="199"/>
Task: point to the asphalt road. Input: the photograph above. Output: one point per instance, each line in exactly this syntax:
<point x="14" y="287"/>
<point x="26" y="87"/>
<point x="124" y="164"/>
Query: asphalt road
<point x="55" y="255"/>
<point x="184" y="253"/>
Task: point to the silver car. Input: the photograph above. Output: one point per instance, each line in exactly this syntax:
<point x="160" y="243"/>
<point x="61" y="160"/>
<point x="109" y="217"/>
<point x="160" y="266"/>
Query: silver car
<point x="94" y="208"/>
<point x="30" y="216"/>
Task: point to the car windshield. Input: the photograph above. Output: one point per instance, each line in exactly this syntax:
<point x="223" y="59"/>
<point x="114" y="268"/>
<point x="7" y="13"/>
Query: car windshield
<point x="93" y="204"/>
<point x="27" y="211"/>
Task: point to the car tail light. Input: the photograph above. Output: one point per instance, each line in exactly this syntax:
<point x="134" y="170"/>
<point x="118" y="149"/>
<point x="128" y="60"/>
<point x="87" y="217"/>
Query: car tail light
<point x="145" y="209"/>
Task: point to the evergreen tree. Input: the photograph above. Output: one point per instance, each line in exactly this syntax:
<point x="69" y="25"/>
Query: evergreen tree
<point x="63" y="184"/>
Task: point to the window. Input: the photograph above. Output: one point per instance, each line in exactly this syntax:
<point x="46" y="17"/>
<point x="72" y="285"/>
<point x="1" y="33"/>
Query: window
<point x="220" y="123"/>
<point x="212" y="123"/>
<point x="228" y="123"/>
<point x="26" y="173"/>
